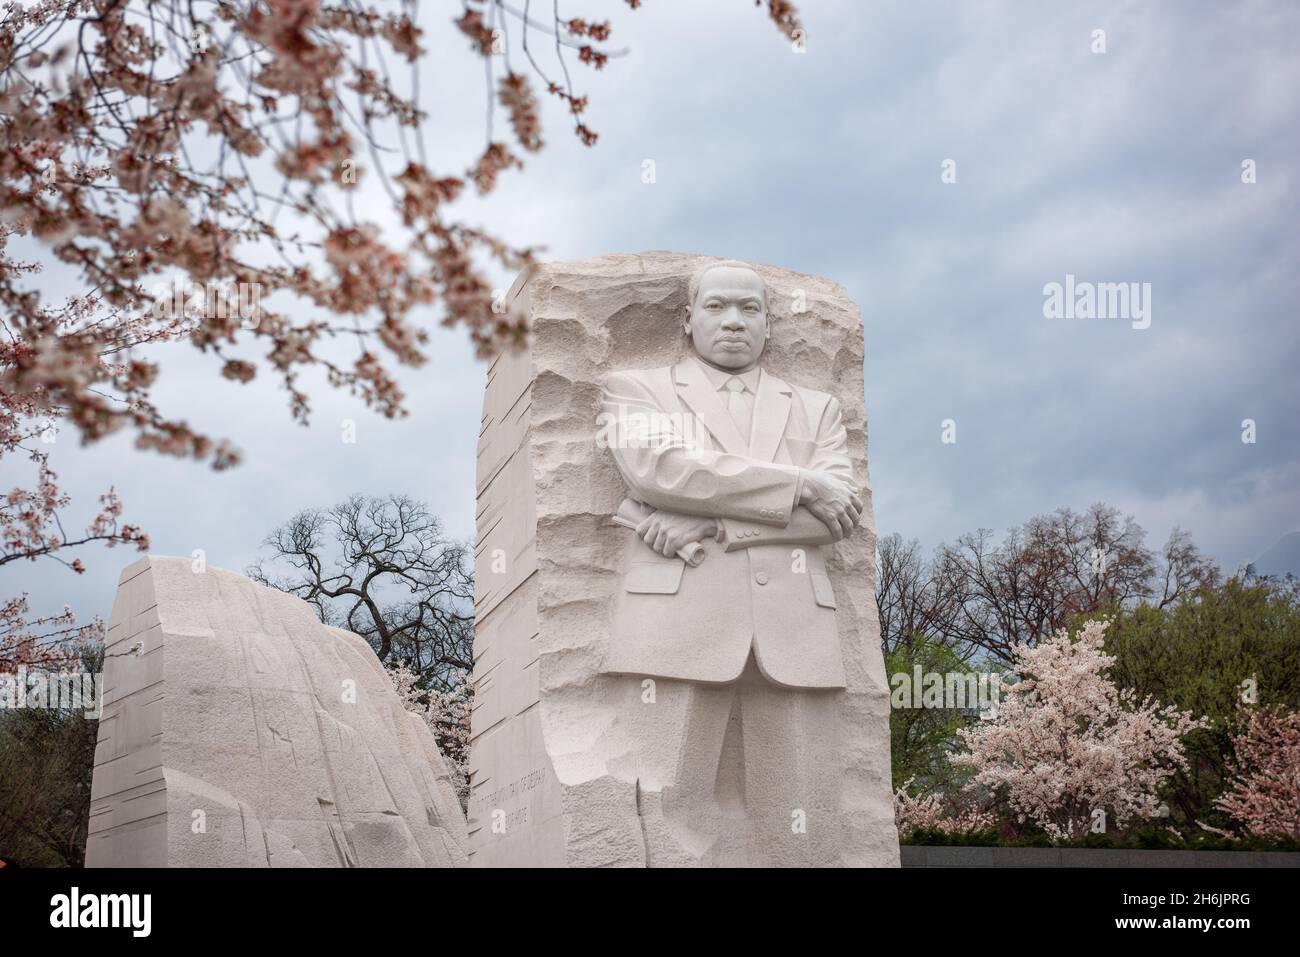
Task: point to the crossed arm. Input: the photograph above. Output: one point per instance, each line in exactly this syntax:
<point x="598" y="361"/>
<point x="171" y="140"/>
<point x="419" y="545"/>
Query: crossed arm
<point x="738" y="500"/>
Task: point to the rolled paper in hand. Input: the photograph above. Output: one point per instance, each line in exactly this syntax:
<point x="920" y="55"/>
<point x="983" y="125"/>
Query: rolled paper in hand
<point x="631" y="513"/>
<point x="692" y="554"/>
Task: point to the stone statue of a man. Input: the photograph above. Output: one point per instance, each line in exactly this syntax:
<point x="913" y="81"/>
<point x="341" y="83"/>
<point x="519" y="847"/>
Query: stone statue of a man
<point x="748" y="476"/>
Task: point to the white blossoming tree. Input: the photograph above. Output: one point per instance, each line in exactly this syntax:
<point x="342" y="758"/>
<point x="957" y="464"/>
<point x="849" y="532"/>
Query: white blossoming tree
<point x="921" y="812"/>
<point x="1068" y="749"/>
<point x="447" y="715"/>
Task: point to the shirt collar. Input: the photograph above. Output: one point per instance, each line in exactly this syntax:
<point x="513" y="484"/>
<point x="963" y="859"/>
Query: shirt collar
<point x="719" y="377"/>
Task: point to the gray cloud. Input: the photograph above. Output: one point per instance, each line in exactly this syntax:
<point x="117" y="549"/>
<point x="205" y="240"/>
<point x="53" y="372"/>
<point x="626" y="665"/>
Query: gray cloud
<point x="1115" y="167"/>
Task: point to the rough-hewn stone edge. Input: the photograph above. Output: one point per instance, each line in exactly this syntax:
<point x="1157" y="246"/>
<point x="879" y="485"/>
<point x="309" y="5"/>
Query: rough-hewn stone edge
<point x="914" y="855"/>
<point x="600" y="266"/>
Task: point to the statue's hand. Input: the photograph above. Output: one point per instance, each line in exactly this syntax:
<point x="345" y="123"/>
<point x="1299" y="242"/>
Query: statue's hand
<point x="668" y="532"/>
<point x="834" y="502"/>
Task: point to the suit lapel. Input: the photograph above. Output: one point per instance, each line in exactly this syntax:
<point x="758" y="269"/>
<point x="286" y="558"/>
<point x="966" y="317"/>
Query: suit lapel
<point x="697" y="392"/>
<point x="771" y="410"/>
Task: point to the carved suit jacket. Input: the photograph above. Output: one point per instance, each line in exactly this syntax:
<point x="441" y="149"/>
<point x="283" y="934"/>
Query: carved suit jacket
<point x="764" y="586"/>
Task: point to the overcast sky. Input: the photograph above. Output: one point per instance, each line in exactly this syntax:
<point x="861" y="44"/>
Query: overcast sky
<point x="1117" y="167"/>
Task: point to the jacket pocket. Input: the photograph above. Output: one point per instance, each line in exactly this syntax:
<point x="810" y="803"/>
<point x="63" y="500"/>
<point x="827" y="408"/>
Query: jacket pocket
<point x="655" y="578"/>
<point x="822" y="591"/>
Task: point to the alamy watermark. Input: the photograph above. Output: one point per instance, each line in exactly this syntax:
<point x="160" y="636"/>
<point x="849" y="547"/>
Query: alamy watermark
<point x="211" y="300"/>
<point x="75" y="909"/>
<point x="1075" y="299"/>
<point x="954" y="690"/>
<point x="638" y="429"/>
<point x="63" y="690"/>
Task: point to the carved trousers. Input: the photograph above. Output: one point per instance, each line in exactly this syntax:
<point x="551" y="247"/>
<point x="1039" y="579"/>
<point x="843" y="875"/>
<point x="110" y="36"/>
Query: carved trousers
<point x="743" y="774"/>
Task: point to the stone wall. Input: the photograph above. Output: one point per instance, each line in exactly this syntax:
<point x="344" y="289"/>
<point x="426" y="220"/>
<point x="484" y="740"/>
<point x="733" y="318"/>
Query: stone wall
<point x="239" y="731"/>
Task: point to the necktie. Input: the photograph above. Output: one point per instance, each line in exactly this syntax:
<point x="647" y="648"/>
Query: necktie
<point x="737" y="406"/>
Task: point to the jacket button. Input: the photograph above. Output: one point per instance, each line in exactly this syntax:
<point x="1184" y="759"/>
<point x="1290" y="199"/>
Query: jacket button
<point x="761" y="578"/>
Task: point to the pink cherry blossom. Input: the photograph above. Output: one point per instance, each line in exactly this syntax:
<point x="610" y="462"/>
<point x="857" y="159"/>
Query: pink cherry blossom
<point x="1068" y="746"/>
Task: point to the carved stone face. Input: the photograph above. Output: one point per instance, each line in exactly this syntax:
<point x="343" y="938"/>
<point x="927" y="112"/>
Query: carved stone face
<point x="728" y="322"/>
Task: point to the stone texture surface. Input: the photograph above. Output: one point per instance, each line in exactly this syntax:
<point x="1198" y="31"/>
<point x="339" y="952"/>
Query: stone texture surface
<point x="238" y="731"/>
<point x="557" y="773"/>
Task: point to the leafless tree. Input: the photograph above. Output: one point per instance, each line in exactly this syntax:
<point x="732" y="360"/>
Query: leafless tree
<point x="384" y="569"/>
<point x="980" y="593"/>
<point x="916" y="599"/>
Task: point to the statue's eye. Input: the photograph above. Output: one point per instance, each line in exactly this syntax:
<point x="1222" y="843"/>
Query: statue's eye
<point x="714" y="306"/>
<point x="752" y="307"/>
